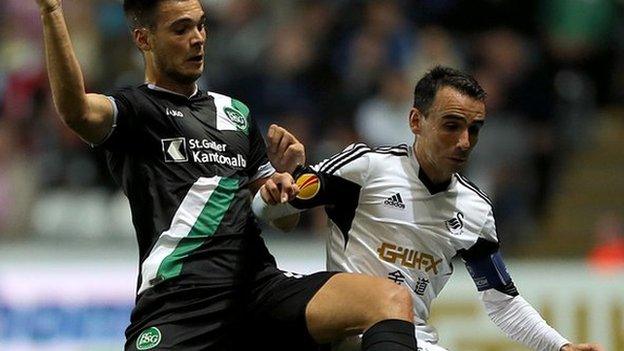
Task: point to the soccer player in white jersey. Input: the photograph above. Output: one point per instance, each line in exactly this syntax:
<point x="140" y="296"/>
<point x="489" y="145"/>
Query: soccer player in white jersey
<point x="404" y="212"/>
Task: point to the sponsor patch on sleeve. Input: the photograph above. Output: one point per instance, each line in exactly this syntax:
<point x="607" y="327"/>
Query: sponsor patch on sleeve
<point x="309" y="185"/>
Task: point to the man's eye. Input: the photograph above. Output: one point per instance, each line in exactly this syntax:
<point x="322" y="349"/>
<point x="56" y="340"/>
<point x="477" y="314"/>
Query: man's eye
<point x="451" y="126"/>
<point x="179" y="31"/>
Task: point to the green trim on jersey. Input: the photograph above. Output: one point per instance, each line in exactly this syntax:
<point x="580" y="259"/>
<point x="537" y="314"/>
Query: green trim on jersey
<point x="241" y="107"/>
<point x="231" y="113"/>
<point x="197" y="218"/>
<point x="240" y="119"/>
<point x="205" y="226"/>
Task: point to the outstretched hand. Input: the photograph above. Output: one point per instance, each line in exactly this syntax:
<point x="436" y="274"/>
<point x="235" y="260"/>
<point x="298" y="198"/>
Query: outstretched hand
<point x="48" y="5"/>
<point x="582" y="347"/>
<point x="284" y="150"/>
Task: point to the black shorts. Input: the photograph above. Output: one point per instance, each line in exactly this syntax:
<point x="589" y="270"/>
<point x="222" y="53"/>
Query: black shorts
<point x="266" y="311"/>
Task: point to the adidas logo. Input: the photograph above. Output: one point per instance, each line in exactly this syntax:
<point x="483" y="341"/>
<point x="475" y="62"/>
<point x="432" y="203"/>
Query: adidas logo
<point x="395" y="201"/>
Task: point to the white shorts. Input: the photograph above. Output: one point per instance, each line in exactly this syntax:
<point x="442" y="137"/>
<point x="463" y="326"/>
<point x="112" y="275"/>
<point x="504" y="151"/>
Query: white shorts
<point x="354" y="344"/>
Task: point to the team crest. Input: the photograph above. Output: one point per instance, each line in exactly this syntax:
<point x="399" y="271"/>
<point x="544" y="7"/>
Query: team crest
<point x="148" y="339"/>
<point x="309" y="185"/>
<point x="237" y="119"/>
<point x="456" y="224"/>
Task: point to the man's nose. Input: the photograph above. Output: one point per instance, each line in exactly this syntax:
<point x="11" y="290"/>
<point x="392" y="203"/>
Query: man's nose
<point x="199" y="37"/>
<point x="464" y="140"/>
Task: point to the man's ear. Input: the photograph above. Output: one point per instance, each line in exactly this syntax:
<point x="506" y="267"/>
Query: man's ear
<point x="141" y="39"/>
<point x="415" y="120"/>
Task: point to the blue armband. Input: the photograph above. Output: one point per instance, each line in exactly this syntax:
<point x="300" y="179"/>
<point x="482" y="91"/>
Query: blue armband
<point x="487" y="269"/>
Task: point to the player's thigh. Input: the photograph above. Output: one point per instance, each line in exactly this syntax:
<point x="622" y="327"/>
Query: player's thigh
<point x="276" y="312"/>
<point x="350" y="303"/>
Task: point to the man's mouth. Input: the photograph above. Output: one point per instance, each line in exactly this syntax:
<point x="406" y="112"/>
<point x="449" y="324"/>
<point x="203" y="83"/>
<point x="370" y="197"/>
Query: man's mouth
<point x="197" y="58"/>
<point x="459" y="159"/>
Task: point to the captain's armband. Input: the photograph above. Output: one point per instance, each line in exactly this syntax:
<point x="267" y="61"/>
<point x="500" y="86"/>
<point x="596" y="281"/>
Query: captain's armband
<point x="487" y="269"/>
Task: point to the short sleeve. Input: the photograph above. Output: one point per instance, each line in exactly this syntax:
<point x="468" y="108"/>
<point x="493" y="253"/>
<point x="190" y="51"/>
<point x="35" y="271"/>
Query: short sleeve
<point x="258" y="166"/>
<point x="488" y="232"/>
<point x="124" y="121"/>
<point x="351" y="164"/>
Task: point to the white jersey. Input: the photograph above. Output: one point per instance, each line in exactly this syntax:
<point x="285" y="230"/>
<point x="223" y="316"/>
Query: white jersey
<point x="389" y="221"/>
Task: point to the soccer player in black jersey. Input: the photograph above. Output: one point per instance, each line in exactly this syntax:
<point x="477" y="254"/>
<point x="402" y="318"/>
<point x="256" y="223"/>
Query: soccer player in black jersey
<point x="189" y="162"/>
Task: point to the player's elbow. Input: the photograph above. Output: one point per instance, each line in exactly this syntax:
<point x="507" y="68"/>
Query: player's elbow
<point x="73" y="111"/>
<point x="77" y="123"/>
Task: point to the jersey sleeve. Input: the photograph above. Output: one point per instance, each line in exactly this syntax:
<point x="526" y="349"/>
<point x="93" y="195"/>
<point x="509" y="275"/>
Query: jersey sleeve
<point x="334" y="181"/>
<point x="124" y="121"/>
<point x="485" y="263"/>
<point x="351" y="164"/>
<point x="258" y="166"/>
<point x="488" y="232"/>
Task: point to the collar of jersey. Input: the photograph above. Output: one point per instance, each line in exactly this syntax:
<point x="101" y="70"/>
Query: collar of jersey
<point x="157" y="88"/>
<point x="424" y="179"/>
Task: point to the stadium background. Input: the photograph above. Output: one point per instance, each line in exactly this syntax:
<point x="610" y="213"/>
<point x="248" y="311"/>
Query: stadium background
<point x="333" y="72"/>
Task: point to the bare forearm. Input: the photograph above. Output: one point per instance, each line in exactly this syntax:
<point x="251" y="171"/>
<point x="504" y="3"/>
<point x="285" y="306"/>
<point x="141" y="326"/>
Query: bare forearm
<point x="89" y="115"/>
<point x="64" y="72"/>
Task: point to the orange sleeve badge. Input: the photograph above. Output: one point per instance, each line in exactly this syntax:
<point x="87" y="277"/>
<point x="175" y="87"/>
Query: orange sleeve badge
<point x="309" y="185"/>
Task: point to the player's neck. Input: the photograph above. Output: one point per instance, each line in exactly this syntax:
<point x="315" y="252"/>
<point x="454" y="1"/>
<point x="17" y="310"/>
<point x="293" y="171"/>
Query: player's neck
<point x="435" y="175"/>
<point x="152" y="76"/>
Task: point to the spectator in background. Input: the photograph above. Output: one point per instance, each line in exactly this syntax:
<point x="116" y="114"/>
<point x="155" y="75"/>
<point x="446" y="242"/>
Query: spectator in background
<point x="381" y="119"/>
<point x="383" y="40"/>
<point x="239" y="29"/>
<point x="434" y="46"/>
<point x="18" y="185"/>
<point x="507" y="162"/>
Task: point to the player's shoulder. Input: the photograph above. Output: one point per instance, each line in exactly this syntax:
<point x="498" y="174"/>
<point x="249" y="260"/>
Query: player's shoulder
<point x="471" y="191"/>
<point x="129" y="91"/>
<point x="361" y="153"/>
<point x="391" y="151"/>
<point x="226" y="102"/>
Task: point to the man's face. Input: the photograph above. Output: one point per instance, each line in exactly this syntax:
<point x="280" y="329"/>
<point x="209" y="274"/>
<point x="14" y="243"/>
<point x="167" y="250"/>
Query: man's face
<point x="448" y="132"/>
<point x="177" y="40"/>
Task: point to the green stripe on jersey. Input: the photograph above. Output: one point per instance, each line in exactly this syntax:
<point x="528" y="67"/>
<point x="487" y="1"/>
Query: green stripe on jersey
<point x="205" y="226"/>
<point x="197" y="218"/>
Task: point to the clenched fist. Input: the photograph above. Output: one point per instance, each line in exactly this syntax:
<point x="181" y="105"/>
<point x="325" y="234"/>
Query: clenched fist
<point x="284" y="150"/>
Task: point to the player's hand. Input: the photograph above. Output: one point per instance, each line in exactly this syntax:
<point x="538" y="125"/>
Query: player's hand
<point x="47" y="6"/>
<point x="284" y="150"/>
<point x="279" y="189"/>
<point x="582" y="347"/>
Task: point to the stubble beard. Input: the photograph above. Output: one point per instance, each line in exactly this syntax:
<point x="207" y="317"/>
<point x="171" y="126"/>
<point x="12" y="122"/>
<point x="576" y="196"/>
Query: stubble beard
<point x="175" y="75"/>
<point x="181" y="78"/>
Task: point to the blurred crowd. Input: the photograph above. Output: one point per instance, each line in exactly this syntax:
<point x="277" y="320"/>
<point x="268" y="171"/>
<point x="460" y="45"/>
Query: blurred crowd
<point x="333" y="72"/>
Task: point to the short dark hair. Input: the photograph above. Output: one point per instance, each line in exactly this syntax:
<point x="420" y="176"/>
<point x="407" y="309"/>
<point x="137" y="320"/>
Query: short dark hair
<point x="140" y="13"/>
<point x="439" y="77"/>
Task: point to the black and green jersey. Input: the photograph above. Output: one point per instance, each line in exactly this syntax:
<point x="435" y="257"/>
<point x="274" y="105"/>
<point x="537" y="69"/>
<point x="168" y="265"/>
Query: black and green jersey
<point x="184" y="164"/>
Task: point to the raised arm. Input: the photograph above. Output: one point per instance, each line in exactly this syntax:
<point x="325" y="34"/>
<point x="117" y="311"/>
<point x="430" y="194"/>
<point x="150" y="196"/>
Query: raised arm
<point x="89" y="115"/>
